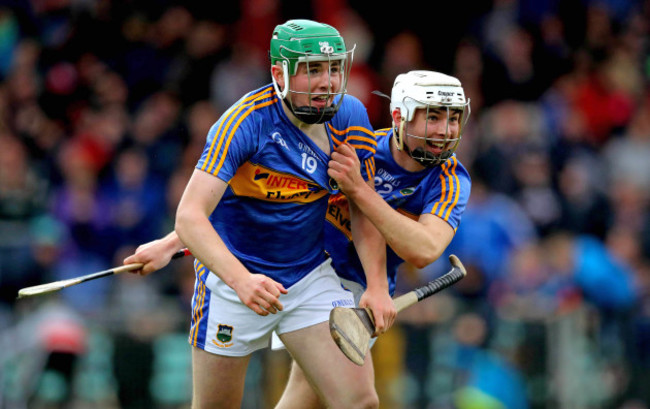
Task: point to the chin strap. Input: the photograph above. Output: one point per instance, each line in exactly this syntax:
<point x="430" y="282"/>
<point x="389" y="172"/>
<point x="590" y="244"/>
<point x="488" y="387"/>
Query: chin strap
<point x="312" y="115"/>
<point x="420" y="155"/>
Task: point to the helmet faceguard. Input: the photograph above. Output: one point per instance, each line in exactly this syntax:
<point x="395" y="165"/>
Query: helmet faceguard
<point x="309" y="42"/>
<point x="433" y="92"/>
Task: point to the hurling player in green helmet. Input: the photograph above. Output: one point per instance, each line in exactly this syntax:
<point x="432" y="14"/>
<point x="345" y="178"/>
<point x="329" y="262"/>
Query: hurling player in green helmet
<point x="424" y="192"/>
<point x="308" y="44"/>
<point x="252" y="215"/>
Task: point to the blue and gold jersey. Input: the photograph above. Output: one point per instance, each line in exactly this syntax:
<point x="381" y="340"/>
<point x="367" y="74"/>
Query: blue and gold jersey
<point x="442" y="191"/>
<point x="271" y="215"/>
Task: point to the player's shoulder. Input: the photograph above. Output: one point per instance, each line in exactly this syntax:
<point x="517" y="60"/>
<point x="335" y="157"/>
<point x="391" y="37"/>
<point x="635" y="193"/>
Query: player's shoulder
<point x="352" y="101"/>
<point x="350" y="106"/>
<point x="455" y="167"/>
<point x="254" y="102"/>
<point x="350" y="120"/>
<point x="382" y="133"/>
<point x="258" y="95"/>
<point x="251" y="110"/>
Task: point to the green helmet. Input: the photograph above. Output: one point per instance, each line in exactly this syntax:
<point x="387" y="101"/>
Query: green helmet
<point x="306" y="41"/>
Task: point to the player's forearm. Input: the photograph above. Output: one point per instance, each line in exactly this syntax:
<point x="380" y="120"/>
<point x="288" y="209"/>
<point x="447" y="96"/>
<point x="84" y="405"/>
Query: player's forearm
<point x="409" y="239"/>
<point x="171" y="243"/>
<point x="197" y="233"/>
<point x="371" y="249"/>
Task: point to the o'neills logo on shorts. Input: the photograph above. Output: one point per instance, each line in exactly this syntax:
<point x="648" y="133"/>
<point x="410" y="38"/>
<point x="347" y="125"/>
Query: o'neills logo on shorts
<point x="267" y="184"/>
<point x="224" y="336"/>
<point x="343" y="303"/>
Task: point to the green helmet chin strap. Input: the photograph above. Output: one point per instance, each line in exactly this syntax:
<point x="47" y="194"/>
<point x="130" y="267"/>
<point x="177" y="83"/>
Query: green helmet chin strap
<point x="305" y="41"/>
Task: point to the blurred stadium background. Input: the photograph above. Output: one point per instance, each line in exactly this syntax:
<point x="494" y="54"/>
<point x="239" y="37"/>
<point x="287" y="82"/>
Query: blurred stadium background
<point x="104" y="107"/>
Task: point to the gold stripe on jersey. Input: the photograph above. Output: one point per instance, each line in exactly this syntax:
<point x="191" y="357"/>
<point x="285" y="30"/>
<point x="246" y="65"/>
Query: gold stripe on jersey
<point x="457" y="190"/>
<point x="370" y="168"/>
<point x="368" y="140"/>
<point x="450" y="189"/>
<point x="232" y="132"/>
<point x="233" y="111"/>
<point x="198" y="305"/>
<point x="197" y="311"/>
<point x="230" y="115"/>
<point x="354" y="128"/>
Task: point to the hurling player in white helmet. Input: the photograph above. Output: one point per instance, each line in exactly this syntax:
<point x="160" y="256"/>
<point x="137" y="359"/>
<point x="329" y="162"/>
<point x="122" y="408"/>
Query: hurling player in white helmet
<point x="421" y="193"/>
<point x="252" y="215"/>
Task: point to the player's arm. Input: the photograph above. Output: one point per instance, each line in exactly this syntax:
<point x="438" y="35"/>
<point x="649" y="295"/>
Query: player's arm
<point x="201" y="196"/>
<point x="418" y="242"/>
<point x="371" y="249"/>
<point x="156" y="254"/>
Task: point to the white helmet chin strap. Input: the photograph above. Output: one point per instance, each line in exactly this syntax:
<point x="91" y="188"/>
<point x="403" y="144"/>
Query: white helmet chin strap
<point x="399" y="139"/>
<point x="420" y="153"/>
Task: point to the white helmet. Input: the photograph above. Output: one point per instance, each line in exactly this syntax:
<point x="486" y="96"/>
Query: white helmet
<point x="426" y="90"/>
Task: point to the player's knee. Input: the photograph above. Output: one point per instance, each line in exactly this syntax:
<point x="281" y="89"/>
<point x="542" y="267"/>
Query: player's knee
<point x="370" y="401"/>
<point x="367" y="400"/>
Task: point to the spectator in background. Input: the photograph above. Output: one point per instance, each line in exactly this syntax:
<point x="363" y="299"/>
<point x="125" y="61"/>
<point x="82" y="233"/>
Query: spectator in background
<point x="205" y="48"/>
<point x="9" y="39"/>
<point x="79" y="205"/>
<point x="363" y="79"/>
<point x="402" y="53"/>
<point x="484" y="380"/>
<point x="156" y="130"/>
<point x="626" y="154"/>
<point x="491" y="218"/>
<point x="134" y="194"/>
<point x="152" y="48"/>
<point x="234" y="76"/>
<point x="23" y="198"/>
<point x="585" y="207"/>
<point x="535" y="191"/>
<point x="592" y="267"/>
<point x="508" y="130"/>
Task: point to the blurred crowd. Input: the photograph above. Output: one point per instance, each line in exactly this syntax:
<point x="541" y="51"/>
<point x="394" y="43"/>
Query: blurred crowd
<point x="104" y="109"/>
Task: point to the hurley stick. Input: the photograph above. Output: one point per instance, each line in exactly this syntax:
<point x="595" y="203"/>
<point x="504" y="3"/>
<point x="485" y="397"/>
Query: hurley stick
<point x="352" y="328"/>
<point x="59" y="285"/>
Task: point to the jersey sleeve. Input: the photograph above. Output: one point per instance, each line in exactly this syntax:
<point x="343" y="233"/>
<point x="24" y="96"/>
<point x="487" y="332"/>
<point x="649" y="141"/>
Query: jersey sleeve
<point x="351" y="124"/>
<point x="449" y="197"/>
<point x="230" y="142"/>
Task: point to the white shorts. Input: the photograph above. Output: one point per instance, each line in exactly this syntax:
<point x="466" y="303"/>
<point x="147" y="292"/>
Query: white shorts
<point x="357" y="291"/>
<point x="223" y="325"/>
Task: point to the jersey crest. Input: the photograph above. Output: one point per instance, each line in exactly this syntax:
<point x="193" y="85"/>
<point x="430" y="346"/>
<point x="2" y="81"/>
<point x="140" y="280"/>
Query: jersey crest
<point x="224" y="336"/>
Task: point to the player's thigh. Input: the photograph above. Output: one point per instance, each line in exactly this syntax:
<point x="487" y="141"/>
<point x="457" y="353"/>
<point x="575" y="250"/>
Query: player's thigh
<point x="218" y="381"/>
<point x="338" y="382"/>
<point x="299" y="393"/>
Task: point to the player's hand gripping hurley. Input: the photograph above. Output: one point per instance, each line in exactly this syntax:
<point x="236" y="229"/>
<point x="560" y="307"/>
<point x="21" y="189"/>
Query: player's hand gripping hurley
<point x="352" y="328"/>
<point x="59" y="285"/>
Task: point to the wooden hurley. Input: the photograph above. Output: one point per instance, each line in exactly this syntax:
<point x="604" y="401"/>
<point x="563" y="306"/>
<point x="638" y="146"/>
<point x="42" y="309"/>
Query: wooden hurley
<point x="352" y="328"/>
